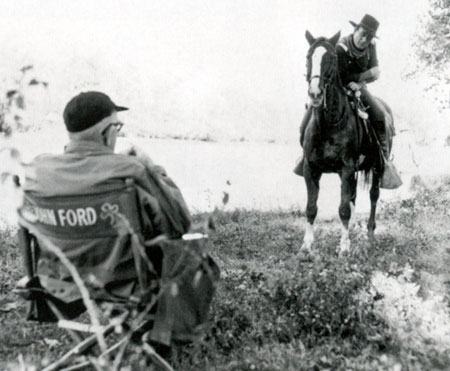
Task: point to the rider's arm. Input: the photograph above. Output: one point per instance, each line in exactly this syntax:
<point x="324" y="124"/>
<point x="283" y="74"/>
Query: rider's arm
<point x="343" y="66"/>
<point x="369" y="75"/>
<point x="373" y="71"/>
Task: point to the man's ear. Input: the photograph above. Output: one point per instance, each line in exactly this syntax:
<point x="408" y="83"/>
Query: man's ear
<point x="108" y="138"/>
<point x="334" y="40"/>
<point x="105" y="137"/>
<point x="309" y="37"/>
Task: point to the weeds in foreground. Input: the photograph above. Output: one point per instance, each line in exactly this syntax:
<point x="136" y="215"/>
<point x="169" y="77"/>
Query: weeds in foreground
<point x="274" y="313"/>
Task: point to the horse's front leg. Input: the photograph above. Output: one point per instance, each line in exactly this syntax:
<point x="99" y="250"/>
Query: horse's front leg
<point x="312" y="179"/>
<point x="346" y="207"/>
<point x="374" y="195"/>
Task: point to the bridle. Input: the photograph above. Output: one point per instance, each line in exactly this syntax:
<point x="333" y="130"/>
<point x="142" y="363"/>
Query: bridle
<point x="324" y="81"/>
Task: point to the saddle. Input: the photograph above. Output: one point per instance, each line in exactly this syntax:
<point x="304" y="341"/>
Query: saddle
<point x="364" y="128"/>
<point x="391" y="178"/>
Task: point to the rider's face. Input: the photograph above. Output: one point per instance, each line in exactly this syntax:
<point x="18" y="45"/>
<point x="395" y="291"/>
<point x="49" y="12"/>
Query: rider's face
<point x="362" y="38"/>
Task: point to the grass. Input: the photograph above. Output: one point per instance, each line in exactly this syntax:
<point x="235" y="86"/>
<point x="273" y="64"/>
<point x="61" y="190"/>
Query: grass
<point x="272" y="312"/>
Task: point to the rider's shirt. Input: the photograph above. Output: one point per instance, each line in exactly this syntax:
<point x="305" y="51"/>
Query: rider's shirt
<point x="352" y="61"/>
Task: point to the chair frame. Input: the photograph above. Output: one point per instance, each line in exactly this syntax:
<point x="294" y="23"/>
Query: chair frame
<point x="40" y="300"/>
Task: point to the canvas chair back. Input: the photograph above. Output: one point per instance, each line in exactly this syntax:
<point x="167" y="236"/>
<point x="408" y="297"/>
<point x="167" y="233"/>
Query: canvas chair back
<point x="100" y="234"/>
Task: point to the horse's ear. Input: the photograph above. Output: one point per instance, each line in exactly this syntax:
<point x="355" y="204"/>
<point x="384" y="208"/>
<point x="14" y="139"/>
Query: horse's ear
<point x="309" y="37"/>
<point x="334" y="40"/>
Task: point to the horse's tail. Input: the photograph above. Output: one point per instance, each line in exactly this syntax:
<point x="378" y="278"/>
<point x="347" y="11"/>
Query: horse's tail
<point x="367" y="176"/>
<point x="366" y="170"/>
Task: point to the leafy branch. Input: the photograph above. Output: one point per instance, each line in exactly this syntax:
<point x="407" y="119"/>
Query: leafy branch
<point x="13" y="102"/>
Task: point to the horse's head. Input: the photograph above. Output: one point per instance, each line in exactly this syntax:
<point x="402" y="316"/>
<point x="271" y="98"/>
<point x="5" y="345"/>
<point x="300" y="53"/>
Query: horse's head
<point x="321" y="66"/>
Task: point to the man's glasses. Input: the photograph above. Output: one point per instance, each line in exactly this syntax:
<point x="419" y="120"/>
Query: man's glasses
<point x="118" y="125"/>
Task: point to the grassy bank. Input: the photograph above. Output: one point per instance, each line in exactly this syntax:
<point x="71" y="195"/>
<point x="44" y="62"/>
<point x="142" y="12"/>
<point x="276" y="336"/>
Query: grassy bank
<point x="272" y="312"/>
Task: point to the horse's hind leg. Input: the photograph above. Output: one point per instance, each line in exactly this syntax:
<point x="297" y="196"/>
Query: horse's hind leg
<point x="374" y="195"/>
<point x="312" y="180"/>
<point x="346" y="207"/>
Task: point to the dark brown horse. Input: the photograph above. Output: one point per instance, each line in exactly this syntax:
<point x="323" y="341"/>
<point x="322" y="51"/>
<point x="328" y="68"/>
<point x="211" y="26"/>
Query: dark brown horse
<point x="336" y="140"/>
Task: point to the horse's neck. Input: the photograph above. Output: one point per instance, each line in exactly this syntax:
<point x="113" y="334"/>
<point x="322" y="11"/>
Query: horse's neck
<point x="335" y="103"/>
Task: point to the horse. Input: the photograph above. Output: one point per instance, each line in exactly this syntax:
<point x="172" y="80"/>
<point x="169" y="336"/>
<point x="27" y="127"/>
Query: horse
<point x="336" y="140"/>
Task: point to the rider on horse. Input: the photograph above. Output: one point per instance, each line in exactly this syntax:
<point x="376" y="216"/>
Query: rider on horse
<point x="358" y="66"/>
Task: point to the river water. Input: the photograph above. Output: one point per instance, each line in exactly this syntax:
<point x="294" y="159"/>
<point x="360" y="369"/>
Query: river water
<point x="253" y="175"/>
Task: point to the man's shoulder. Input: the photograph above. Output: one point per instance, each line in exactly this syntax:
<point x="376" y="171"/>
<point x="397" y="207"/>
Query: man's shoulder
<point x="46" y="160"/>
<point x="75" y="169"/>
<point x="123" y="165"/>
<point x="127" y="159"/>
<point x="342" y="45"/>
<point x="81" y="172"/>
<point x="45" y="156"/>
<point x="108" y="159"/>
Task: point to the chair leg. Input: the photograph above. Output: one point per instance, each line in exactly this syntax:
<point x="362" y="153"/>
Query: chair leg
<point x="85" y="364"/>
<point x="25" y="241"/>
<point x="160" y="361"/>
<point x="75" y="337"/>
<point x="78" y="349"/>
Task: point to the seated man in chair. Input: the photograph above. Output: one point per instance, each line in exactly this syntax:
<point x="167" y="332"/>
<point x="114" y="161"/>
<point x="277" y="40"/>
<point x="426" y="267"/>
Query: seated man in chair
<point x="89" y="167"/>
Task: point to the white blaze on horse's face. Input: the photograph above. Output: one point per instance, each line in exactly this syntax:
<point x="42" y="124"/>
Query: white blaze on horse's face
<point x="316" y="62"/>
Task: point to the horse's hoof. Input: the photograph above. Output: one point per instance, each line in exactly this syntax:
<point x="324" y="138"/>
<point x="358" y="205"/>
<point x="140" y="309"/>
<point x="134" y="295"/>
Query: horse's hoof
<point x="306" y="247"/>
<point x="371" y="238"/>
<point x="344" y="247"/>
<point x="343" y="253"/>
<point x="304" y="255"/>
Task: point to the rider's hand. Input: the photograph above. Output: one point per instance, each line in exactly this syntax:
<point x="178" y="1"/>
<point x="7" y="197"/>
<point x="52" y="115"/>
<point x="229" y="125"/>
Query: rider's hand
<point x="132" y="149"/>
<point x="355" y="86"/>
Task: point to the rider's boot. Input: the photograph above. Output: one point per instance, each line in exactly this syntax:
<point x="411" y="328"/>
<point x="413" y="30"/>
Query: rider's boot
<point x="298" y="169"/>
<point x="390" y="178"/>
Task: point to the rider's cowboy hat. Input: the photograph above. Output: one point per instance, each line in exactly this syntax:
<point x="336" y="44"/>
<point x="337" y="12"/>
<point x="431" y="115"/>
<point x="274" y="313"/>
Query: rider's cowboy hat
<point x="369" y="23"/>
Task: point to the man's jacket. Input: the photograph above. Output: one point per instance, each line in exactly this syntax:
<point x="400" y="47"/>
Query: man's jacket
<point x="352" y="61"/>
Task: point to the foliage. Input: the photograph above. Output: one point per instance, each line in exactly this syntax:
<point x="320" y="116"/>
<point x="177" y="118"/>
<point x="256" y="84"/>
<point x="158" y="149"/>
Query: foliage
<point x="433" y="45"/>
<point x="307" y="306"/>
<point x="13" y="103"/>
<point x="432" y="48"/>
<point x="422" y="325"/>
<point x="273" y="312"/>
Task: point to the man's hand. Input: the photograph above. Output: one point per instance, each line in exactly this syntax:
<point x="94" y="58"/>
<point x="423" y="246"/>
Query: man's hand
<point x="355" y="86"/>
